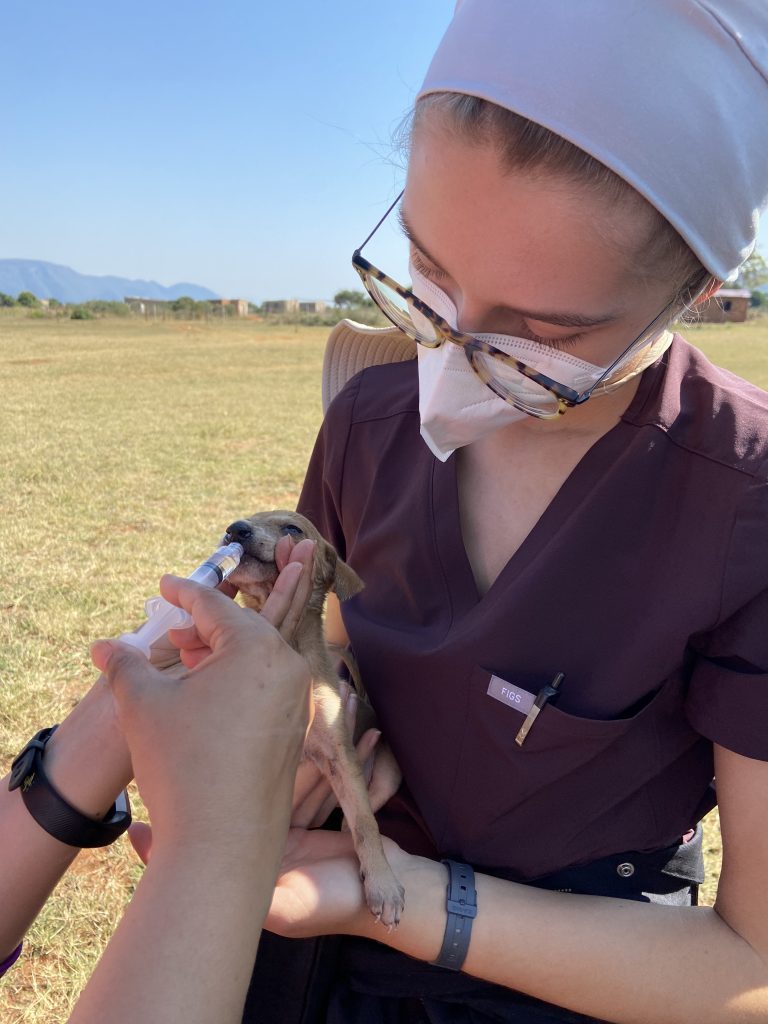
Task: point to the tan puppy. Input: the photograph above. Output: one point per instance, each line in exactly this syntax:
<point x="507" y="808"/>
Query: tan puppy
<point x="328" y="744"/>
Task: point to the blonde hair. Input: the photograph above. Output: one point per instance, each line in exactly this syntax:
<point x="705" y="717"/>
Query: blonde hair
<point x="527" y="146"/>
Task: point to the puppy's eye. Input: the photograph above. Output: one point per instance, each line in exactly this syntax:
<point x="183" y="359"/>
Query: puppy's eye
<point x="290" y="530"/>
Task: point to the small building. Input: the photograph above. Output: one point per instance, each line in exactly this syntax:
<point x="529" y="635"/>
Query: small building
<point x="280" y="306"/>
<point x="239" y="306"/>
<point x="147" y="307"/>
<point x="317" y="306"/>
<point x="726" y="305"/>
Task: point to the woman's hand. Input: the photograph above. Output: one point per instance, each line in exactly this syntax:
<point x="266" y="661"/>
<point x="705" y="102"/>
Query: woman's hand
<point x="212" y="750"/>
<point x="318" y="890"/>
<point x="165" y="654"/>
<point x="313" y="798"/>
<point x="283" y="608"/>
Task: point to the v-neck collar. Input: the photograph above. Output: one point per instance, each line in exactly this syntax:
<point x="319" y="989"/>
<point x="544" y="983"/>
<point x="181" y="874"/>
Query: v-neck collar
<point x="446" y="518"/>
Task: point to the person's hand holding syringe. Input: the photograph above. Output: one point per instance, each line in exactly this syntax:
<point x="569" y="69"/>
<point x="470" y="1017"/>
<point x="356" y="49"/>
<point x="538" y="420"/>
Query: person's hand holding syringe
<point x="162" y="615"/>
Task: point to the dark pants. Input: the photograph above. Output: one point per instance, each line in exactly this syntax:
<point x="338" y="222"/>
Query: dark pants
<point x="335" y="980"/>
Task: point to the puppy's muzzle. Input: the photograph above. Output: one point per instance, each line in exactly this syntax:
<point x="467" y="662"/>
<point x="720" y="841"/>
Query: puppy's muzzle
<point x="240" y="531"/>
<point x="257" y="542"/>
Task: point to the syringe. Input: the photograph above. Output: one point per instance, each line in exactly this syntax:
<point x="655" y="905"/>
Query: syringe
<point x="162" y="615"/>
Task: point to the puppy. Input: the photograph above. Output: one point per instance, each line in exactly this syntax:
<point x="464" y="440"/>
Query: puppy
<point x="328" y="743"/>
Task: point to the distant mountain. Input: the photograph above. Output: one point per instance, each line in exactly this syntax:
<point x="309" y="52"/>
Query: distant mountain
<point x="52" y="281"/>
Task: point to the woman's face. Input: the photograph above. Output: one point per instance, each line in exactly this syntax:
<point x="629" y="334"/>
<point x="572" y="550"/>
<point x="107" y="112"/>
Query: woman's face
<point x="532" y="256"/>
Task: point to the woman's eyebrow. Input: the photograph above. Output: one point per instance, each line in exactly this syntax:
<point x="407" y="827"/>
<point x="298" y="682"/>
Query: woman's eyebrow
<point x="559" y="319"/>
<point x="410" y="235"/>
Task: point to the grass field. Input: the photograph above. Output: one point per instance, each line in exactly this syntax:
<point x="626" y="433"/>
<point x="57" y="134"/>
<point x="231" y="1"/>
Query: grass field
<point x="128" y="447"/>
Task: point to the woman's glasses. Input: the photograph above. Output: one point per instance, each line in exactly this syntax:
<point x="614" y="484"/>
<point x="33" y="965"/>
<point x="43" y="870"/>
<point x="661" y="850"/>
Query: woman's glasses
<point x="511" y="379"/>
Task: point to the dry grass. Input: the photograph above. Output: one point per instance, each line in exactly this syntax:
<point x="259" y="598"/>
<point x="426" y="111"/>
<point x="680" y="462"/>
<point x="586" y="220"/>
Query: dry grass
<point x="742" y="348"/>
<point x="127" y="447"/>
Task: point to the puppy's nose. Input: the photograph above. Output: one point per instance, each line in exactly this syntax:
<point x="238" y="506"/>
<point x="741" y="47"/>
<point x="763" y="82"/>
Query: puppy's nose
<point x="239" y="531"/>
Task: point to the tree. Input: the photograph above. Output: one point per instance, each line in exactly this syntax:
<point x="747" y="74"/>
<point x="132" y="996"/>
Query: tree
<point x="27" y="299"/>
<point x="186" y="306"/>
<point x="107" y="307"/>
<point x="753" y="276"/>
<point x="753" y="273"/>
<point x="350" y="299"/>
<point x="80" y="313"/>
<point x="7" y="300"/>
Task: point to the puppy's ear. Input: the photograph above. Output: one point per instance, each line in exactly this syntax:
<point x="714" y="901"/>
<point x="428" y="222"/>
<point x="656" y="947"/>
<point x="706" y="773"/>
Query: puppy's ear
<point x="346" y="582"/>
<point x="331" y="573"/>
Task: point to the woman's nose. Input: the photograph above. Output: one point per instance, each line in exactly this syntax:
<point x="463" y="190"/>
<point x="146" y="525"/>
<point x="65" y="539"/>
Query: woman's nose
<point x="476" y="318"/>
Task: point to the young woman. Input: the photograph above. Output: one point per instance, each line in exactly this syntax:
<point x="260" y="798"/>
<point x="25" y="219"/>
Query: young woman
<point x="560" y="516"/>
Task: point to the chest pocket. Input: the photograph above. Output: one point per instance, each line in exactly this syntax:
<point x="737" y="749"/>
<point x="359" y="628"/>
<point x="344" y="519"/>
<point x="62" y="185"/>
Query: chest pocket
<point x="572" y="784"/>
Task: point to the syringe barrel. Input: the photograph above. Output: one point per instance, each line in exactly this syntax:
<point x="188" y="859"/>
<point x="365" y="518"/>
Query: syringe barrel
<point x="221" y="564"/>
<point x="162" y="615"/>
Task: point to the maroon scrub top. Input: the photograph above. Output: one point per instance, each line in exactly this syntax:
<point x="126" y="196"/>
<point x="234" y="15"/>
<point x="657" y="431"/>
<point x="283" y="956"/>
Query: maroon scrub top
<point x="644" y="582"/>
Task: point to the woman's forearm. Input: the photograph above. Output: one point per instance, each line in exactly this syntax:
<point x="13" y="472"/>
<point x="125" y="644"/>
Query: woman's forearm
<point x="185" y="947"/>
<point x="632" y="963"/>
<point x="88" y="762"/>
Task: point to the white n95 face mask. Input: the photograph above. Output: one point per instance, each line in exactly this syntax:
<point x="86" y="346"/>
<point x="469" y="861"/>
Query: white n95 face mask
<point x="457" y="408"/>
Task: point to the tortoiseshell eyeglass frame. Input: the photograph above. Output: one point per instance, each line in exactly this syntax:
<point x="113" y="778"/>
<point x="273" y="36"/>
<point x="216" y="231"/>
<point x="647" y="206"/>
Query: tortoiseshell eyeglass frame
<point x="566" y="397"/>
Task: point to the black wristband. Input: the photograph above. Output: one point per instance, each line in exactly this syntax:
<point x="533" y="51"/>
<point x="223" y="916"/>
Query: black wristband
<point x="52" y="812"/>
<point x="461" y="903"/>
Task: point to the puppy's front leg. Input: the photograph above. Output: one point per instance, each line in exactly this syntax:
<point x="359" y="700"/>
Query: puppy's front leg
<point x="330" y="747"/>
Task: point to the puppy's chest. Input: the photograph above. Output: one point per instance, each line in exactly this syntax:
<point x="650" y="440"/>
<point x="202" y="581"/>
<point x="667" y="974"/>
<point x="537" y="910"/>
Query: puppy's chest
<point x="325" y="694"/>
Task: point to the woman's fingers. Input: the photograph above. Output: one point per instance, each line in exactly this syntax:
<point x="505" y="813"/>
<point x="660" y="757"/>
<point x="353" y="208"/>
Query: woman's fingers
<point x="365" y="718"/>
<point x="327" y="807"/>
<point x="365" y="749"/>
<point x="188" y="639"/>
<point x="285" y="605"/>
<point x="310" y="794"/>
<point x="305" y="553"/>
<point x="283" y="549"/>
<point x="185" y="638"/>
<point x="228" y="588"/>
<point x="350" y="703"/>
<point x="140" y="835"/>
<point x="215" y="615"/>
<point x="191" y="657"/>
<point x="315" y="806"/>
<point x="164" y="653"/>
<point x="385" y="779"/>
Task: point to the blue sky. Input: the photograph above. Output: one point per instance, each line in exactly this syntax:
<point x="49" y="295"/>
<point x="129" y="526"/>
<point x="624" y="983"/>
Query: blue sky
<point x="239" y="145"/>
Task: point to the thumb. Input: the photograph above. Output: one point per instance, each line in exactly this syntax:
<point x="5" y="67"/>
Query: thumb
<point x="140" y="835"/>
<point x="124" y="666"/>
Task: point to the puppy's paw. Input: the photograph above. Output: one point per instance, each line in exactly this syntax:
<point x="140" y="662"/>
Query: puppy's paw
<point x="385" y="899"/>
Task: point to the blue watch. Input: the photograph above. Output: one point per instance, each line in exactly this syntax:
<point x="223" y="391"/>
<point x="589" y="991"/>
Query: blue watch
<point x="461" y="904"/>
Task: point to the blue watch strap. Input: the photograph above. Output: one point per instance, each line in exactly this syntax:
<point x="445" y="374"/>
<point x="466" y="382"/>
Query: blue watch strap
<point x="461" y="904"/>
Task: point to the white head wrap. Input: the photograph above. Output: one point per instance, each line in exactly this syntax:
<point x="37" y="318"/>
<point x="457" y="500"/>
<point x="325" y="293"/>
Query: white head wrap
<point x="672" y="95"/>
